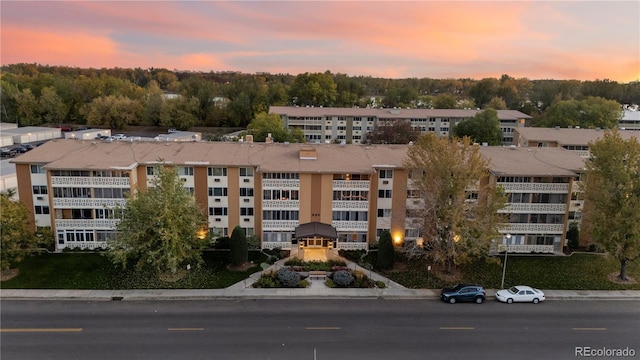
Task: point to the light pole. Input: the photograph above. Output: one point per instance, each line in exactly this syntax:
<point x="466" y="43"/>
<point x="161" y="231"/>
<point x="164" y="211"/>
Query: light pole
<point x="504" y="265"/>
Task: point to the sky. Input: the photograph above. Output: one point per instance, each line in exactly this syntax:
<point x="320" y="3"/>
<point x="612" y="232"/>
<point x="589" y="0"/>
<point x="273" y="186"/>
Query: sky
<point x="581" y="40"/>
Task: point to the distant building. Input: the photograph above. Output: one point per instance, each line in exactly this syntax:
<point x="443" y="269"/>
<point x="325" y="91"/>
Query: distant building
<point x="630" y="119"/>
<point x="328" y="124"/>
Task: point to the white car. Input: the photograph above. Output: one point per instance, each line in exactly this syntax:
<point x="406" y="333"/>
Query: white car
<point x="119" y="137"/>
<point x="520" y="293"/>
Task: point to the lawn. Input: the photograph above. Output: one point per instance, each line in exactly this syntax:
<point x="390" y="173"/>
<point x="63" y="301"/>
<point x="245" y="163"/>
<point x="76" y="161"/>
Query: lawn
<point x="576" y="272"/>
<point x="94" y="271"/>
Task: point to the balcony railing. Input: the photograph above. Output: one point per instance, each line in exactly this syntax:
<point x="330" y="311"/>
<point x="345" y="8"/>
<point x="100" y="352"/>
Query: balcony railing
<point x="280" y="184"/>
<point x="534" y="208"/>
<point x="350" y="185"/>
<point x="89" y="245"/>
<point x="279" y="225"/>
<point x="280" y="204"/>
<point x="526" y="248"/>
<point x="348" y="205"/>
<point x="86" y="224"/>
<point x="90" y="181"/>
<point x="350" y="225"/>
<point x="352" y="245"/>
<point x="284" y="245"/>
<point x="549" y="188"/>
<point x="515" y="228"/>
<point x="70" y="203"/>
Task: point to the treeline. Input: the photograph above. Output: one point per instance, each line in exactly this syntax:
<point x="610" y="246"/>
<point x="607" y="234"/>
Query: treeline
<point x="35" y="94"/>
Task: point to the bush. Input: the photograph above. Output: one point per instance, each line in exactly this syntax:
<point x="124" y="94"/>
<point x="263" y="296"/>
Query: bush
<point x="380" y="284"/>
<point x="239" y="247"/>
<point x="386" y="251"/>
<point x="288" y="278"/>
<point x="353" y="255"/>
<point x="343" y="278"/>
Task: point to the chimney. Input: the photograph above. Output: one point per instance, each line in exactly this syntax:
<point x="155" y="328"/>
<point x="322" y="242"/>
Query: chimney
<point x="308" y="154"/>
<point x="248" y="138"/>
<point x="268" y="139"/>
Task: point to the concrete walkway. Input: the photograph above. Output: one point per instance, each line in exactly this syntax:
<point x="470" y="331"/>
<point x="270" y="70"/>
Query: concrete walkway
<point x="317" y="290"/>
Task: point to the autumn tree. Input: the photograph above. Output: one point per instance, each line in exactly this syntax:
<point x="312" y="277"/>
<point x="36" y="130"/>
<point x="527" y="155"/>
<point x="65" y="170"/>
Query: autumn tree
<point x="264" y="124"/>
<point x="115" y="112"/>
<point x="482" y="127"/>
<point x="179" y="112"/>
<point x="590" y="112"/>
<point x="159" y="226"/>
<point x="16" y="237"/>
<point x="52" y="108"/>
<point x="447" y="176"/>
<point x="316" y="89"/>
<point x="612" y="198"/>
<point x="444" y="101"/>
<point x="393" y="132"/>
<point x="496" y="103"/>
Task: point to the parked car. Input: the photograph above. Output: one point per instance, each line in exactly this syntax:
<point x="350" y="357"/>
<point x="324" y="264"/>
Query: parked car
<point x="520" y="293"/>
<point x="28" y="146"/>
<point x="20" y="149"/>
<point x="464" y="292"/>
<point x="119" y="137"/>
<point x="6" y="152"/>
<point x="102" y="137"/>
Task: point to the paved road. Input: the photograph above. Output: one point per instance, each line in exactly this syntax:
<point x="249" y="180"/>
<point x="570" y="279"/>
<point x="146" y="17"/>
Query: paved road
<point x="313" y="329"/>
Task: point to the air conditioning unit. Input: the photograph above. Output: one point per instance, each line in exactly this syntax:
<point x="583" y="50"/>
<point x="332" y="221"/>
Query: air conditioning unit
<point x="385" y="182"/>
<point x="39" y="198"/>
<point x="246" y="219"/>
<point x="246" y="180"/>
<point x="218" y="219"/>
<point x="246" y="200"/>
<point x="216" y="180"/>
<point x="217" y="200"/>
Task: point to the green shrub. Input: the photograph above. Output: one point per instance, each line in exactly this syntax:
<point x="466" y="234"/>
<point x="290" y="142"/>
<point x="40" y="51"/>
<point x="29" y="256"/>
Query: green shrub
<point x="239" y="247"/>
<point x="343" y="278"/>
<point x="386" y="251"/>
<point x="353" y="255"/>
<point x="380" y="284"/>
<point x="330" y="283"/>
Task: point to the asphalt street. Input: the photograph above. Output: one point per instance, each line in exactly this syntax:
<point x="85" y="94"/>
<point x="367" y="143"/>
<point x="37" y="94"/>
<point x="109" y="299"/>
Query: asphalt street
<point x="313" y="329"/>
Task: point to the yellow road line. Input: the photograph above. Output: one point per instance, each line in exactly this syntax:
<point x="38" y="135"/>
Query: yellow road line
<point x="323" y="328"/>
<point x="33" y="330"/>
<point x="185" y="329"/>
<point x="589" y="329"/>
<point x="457" y="328"/>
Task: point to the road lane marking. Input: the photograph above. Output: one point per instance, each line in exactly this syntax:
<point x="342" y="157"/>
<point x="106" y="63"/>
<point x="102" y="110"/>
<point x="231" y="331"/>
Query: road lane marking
<point x="323" y="328"/>
<point x="457" y="328"/>
<point x="588" y="329"/>
<point x="33" y="330"/>
<point x="185" y="329"/>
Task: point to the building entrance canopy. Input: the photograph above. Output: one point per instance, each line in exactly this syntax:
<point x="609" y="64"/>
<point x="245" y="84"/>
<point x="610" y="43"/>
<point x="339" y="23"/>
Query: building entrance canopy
<point x="315" y="234"/>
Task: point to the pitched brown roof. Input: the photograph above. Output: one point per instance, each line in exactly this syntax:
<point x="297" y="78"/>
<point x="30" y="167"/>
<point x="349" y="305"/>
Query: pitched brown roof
<point x="293" y="111"/>
<point x="316" y="229"/>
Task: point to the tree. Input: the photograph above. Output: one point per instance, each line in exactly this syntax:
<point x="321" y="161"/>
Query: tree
<point x="239" y="246"/>
<point x="316" y="89"/>
<point x="612" y="198"/>
<point x="481" y="128"/>
<point x="447" y="174"/>
<point x="27" y="108"/>
<point x="264" y="124"/>
<point x="393" y="132"/>
<point x="111" y="111"/>
<point x="16" y="237"/>
<point x="496" y="103"/>
<point x="159" y="226"/>
<point x="484" y="90"/>
<point x="52" y="108"/>
<point x="590" y="112"/>
<point x="386" y="251"/>
<point x="444" y="101"/>
<point x="179" y="112"/>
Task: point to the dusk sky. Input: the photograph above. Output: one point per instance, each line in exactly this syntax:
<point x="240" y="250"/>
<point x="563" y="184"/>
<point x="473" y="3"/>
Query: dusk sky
<point x="583" y="40"/>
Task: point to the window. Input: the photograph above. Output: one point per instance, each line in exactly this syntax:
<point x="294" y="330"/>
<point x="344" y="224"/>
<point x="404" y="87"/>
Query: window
<point x="384" y="212"/>
<point x="152" y="170"/>
<point x="81" y="213"/>
<point x="249" y="231"/>
<point x="519" y="198"/>
<point x="280" y="215"/>
<point x="218" y="211"/>
<point x="281" y="176"/>
<point x="108" y="213"/>
<point x="246" y="171"/>
<point x="353" y="195"/>
<point x="217" y="171"/>
<point x="218" y="191"/>
<point x="385" y="194"/>
<point x="37" y="169"/>
<point x="191" y="190"/>
<point x="246" y="211"/>
<point x="72" y="192"/>
<point x="185" y="170"/>
<point x="386" y="174"/>
<point x="110" y="193"/>
<point x="42" y="210"/>
<point x="40" y="190"/>
<point x="349" y="216"/>
<point x="246" y="191"/>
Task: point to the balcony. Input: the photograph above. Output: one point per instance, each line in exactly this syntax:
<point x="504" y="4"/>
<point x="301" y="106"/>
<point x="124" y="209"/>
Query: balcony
<point x="284" y="245"/>
<point x="280" y="184"/>
<point x="89" y="245"/>
<point x="534" y="208"/>
<point x="549" y="188"/>
<point x="527" y="248"/>
<point x="280" y="204"/>
<point x="350" y="185"/>
<point x="515" y="228"/>
<point x="72" y="203"/>
<point x="90" y="181"/>
<point x="350" y="205"/>
<point x="350" y="225"/>
<point x="86" y="224"/>
<point x="279" y="225"/>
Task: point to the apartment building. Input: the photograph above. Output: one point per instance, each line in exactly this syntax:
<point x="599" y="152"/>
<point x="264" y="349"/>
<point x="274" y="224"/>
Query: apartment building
<point x="272" y="189"/>
<point x="574" y="139"/>
<point x="351" y="125"/>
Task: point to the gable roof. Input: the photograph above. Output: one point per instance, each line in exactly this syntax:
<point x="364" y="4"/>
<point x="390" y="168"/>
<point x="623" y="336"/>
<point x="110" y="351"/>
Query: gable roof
<point x="316" y="229"/>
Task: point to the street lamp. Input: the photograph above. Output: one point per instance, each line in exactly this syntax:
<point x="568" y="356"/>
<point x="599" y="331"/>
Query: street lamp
<point x="504" y="266"/>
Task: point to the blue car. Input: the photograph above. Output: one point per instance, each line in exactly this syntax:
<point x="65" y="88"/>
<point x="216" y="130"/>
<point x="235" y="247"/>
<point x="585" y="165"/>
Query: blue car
<point x="464" y="292"/>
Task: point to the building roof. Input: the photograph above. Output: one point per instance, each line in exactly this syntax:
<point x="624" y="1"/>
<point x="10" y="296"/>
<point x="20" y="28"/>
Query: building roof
<point x="316" y="229"/>
<point x="28" y="130"/>
<point x="398" y="113"/>
<point x="567" y="136"/>
<point x="526" y="161"/>
<point x="330" y="158"/>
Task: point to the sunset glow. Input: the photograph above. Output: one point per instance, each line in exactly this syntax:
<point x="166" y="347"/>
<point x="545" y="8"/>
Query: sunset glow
<point x="434" y="39"/>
